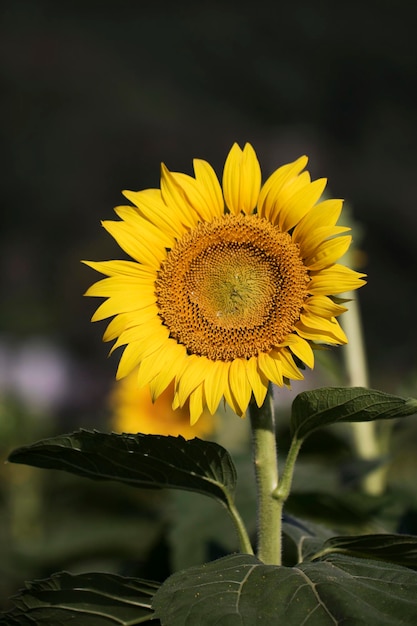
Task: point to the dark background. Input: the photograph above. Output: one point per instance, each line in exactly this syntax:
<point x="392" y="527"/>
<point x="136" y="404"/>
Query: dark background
<point x="97" y="94"/>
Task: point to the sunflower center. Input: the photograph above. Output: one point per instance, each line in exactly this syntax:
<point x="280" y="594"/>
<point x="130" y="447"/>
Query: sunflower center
<point x="232" y="288"/>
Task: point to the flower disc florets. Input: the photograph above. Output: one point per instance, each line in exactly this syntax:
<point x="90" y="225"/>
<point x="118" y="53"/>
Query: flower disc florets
<point x="232" y="288"/>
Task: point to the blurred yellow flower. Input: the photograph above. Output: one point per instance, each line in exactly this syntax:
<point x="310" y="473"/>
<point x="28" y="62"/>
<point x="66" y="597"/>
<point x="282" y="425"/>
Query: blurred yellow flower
<point x="133" y="411"/>
<point x="230" y="286"/>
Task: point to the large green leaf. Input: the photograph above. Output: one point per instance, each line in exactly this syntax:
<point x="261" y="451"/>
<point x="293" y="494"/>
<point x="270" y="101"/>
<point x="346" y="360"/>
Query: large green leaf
<point x="85" y="599"/>
<point x="239" y="590"/>
<point x="331" y="405"/>
<point x="301" y="538"/>
<point x="315" y="542"/>
<point x="399" y="549"/>
<point x="146" y="461"/>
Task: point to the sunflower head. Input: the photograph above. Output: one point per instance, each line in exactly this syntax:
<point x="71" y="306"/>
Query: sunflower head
<point x="229" y="287"/>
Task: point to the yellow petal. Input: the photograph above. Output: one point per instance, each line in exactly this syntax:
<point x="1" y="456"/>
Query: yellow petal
<point x="325" y="213"/>
<point x="117" y="286"/>
<point x="316" y="238"/>
<point x="299" y="204"/>
<point x="175" y="402"/>
<point x="156" y="338"/>
<point x="124" y="303"/>
<point x="328" y="253"/>
<point x="272" y="368"/>
<point x="132" y="243"/>
<point x="116" y="326"/>
<point x="231" y="401"/>
<point x="241" y="179"/>
<point x="121" y="268"/>
<point x="289" y="368"/>
<point x="151" y="336"/>
<point x="275" y="183"/>
<point x="151" y="206"/>
<point x="170" y="358"/>
<point x="144" y="316"/>
<point x="323" y="306"/>
<point x="129" y="360"/>
<point x="144" y="228"/>
<point x="196" y="404"/>
<point x="285" y="194"/>
<point x="207" y="179"/>
<point x="335" y="279"/>
<point x="214" y="384"/>
<point x="257" y="380"/>
<point x="175" y="197"/>
<point x="300" y="348"/>
<point x="239" y="384"/>
<point x="202" y="193"/>
<point x="192" y="373"/>
<point x="150" y="367"/>
<point x="320" y="329"/>
<point x="159" y="384"/>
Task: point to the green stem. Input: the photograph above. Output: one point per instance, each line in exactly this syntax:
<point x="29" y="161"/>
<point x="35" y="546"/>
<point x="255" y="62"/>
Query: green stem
<point x="245" y="544"/>
<point x="265" y="460"/>
<point x="284" y="487"/>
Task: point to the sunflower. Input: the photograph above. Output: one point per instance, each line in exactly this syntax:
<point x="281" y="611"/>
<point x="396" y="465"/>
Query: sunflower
<point x="230" y="286"/>
<point x="132" y="410"/>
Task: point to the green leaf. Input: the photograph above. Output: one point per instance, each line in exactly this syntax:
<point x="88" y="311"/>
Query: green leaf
<point x="301" y="537"/>
<point x="145" y="461"/>
<point x="239" y="590"/>
<point x="85" y="599"/>
<point x="399" y="549"/>
<point x="331" y="405"/>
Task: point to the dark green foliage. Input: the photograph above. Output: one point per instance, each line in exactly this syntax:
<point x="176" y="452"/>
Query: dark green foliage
<point x="331" y="405"/>
<point x="86" y="600"/>
<point x="239" y="590"/>
<point x="145" y="461"/>
<point x="351" y="580"/>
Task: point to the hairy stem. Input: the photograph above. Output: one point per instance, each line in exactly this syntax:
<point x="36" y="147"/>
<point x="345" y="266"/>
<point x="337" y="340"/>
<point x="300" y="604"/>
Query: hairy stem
<point x="284" y="487"/>
<point x="265" y="460"/>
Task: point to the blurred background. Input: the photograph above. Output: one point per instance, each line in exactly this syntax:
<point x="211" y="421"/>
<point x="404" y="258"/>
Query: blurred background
<point x="97" y="94"/>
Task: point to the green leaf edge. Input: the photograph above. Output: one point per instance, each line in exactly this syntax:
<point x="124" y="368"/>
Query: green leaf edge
<point x="406" y="407"/>
<point x="225" y="491"/>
